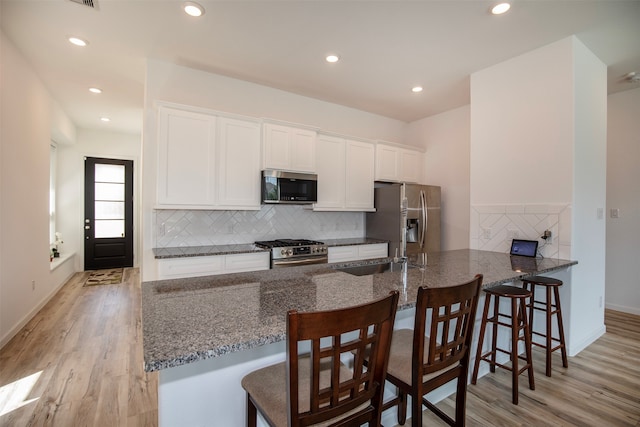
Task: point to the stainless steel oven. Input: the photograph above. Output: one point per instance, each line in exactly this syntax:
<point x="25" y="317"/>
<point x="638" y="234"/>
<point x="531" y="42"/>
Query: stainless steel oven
<point x="291" y="253"/>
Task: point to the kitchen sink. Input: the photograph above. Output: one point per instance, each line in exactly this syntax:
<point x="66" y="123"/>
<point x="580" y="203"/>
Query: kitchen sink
<point x="365" y="270"/>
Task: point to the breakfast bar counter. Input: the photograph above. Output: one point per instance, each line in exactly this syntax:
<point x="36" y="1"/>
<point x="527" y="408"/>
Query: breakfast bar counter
<point x="203" y="334"/>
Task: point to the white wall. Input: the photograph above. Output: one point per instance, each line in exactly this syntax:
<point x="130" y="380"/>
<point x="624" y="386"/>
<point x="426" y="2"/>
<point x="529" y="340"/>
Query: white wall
<point x="70" y="194"/>
<point x="623" y="193"/>
<point x="588" y="236"/>
<point x="172" y="83"/>
<point x="538" y="154"/>
<point x="446" y="140"/>
<point x="26" y="114"/>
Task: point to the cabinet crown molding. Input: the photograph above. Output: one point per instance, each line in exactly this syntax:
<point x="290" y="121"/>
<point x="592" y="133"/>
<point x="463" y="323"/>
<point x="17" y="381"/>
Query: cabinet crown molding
<point x="404" y="146"/>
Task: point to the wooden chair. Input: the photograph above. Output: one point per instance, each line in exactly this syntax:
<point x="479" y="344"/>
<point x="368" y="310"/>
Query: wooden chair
<point x="419" y="362"/>
<point x="316" y="387"/>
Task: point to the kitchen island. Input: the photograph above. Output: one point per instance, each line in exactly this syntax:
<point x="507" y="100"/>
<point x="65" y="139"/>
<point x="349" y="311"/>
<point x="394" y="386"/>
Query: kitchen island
<point x="204" y="334"/>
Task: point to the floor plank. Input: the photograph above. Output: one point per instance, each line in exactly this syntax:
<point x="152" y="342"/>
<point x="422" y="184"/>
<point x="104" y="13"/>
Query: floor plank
<point x="86" y="347"/>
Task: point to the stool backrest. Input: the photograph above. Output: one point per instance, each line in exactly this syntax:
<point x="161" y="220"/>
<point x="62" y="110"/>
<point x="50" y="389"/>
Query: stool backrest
<point x="450" y="314"/>
<point x="355" y="334"/>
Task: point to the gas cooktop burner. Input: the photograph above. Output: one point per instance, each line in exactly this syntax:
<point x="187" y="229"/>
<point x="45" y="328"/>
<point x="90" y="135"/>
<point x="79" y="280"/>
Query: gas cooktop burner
<point x="281" y="243"/>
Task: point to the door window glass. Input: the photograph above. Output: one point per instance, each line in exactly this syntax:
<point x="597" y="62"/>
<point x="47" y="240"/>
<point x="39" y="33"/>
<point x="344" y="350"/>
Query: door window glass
<point x="109" y="200"/>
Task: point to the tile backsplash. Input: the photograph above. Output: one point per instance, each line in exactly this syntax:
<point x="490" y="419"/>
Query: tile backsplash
<point x="494" y="226"/>
<point x="175" y="228"/>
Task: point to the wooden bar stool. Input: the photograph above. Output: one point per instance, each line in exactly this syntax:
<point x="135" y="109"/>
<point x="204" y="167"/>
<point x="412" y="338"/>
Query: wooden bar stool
<point x="518" y="324"/>
<point x="550" y="308"/>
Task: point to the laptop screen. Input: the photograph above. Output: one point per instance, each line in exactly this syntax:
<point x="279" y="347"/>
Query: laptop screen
<point x="524" y="247"/>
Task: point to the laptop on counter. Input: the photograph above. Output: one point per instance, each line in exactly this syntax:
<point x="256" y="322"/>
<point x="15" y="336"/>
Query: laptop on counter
<point x="523" y="255"/>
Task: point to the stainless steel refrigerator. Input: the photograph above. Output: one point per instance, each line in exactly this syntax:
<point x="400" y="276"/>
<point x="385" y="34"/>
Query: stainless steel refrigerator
<point x="406" y="213"/>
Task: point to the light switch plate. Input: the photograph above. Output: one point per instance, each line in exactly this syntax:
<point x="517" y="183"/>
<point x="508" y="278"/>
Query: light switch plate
<point x="614" y="213"/>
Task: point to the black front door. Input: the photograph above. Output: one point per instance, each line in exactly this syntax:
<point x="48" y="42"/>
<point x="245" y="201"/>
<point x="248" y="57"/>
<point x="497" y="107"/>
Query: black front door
<point x="108" y="213"/>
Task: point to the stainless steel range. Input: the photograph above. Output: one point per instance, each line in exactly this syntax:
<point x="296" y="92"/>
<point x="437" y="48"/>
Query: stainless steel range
<point x="290" y="252"/>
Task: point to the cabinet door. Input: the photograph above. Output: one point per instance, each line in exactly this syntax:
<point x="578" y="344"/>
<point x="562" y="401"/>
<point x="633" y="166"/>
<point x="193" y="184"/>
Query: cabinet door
<point x="360" y="158"/>
<point x="330" y="164"/>
<point x="186" y="157"/>
<point x="411" y="166"/>
<point x="303" y="150"/>
<point x="387" y="163"/>
<point x="277" y="140"/>
<point x="239" y="164"/>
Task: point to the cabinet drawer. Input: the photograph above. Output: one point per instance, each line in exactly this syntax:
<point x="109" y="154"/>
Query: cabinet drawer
<point x="343" y="253"/>
<point x="246" y="262"/>
<point x="378" y="250"/>
<point x="190" y="267"/>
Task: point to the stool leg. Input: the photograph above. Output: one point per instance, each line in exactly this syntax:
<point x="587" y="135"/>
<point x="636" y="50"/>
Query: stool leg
<point x="483" y="325"/>
<point x="563" y="347"/>
<point x="527" y="348"/>
<point x="531" y="309"/>
<point x="494" y="337"/>
<point x="514" y="350"/>
<point x="549" y="338"/>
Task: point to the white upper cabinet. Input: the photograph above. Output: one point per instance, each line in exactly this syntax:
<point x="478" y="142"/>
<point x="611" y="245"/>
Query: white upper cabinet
<point x="345" y="174"/>
<point x="396" y="164"/>
<point x="186" y="158"/>
<point x="387" y="163"/>
<point x="411" y="165"/>
<point x="330" y="163"/>
<point x="239" y="163"/>
<point x="289" y="148"/>
<point x="360" y="175"/>
<point x="207" y="161"/>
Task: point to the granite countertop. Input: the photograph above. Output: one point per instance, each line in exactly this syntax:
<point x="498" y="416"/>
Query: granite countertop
<point x="192" y="251"/>
<point x="186" y="320"/>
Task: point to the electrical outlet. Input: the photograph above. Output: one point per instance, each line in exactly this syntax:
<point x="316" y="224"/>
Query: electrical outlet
<point x="615" y="213"/>
<point x="486" y="233"/>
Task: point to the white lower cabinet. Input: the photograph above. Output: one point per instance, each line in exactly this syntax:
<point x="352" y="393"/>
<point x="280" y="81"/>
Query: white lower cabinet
<point x="176" y="268"/>
<point x="358" y="252"/>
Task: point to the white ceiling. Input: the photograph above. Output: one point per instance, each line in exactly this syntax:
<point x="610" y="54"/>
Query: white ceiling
<point x="386" y="47"/>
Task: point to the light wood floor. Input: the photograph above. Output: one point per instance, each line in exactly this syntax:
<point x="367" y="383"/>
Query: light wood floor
<point x="86" y="347"/>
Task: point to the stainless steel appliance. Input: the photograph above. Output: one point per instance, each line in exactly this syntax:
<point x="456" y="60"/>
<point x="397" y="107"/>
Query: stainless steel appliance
<point x="408" y="216"/>
<point x="290" y="252"/>
<point x="289" y="187"/>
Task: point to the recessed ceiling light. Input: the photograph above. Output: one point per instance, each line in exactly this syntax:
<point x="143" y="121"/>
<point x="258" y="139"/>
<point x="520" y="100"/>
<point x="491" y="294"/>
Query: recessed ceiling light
<point x="105" y="119"/>
<point x="500" y="8"/>
<point x="332" y="58"/>
<point x="78" y="41"/>
<point x="95" y="90"/>
<point x="193" y="9"/>
<point x="416" y="89"/>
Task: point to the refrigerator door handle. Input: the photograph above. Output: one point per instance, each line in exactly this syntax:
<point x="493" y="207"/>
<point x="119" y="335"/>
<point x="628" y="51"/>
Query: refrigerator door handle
<point x="423" y="212"/>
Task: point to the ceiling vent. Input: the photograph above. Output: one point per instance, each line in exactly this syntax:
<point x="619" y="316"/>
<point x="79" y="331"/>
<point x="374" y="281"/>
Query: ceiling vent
<point x="90" y="3"/>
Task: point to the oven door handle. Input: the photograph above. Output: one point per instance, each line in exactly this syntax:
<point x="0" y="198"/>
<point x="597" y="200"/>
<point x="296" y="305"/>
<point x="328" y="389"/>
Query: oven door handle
<point x="303" y="261"/>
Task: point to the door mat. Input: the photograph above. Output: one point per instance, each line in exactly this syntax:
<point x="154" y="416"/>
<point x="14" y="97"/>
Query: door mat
<point x="110" y="276"/>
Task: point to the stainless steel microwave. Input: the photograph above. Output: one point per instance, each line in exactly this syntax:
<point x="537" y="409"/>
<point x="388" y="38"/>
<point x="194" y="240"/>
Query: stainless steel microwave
<point x="289" y="187"/>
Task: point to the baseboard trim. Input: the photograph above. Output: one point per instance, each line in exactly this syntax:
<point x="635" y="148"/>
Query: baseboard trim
<point x="622" y="308"/>
<point x="27" y="317"/>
